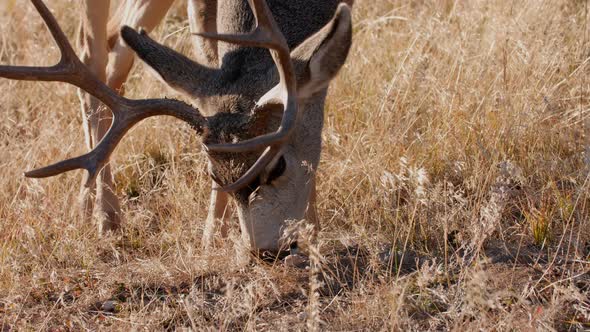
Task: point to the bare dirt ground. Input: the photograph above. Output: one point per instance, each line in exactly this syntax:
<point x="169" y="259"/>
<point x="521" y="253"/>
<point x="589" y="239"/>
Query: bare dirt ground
<point x="453" y="189"/>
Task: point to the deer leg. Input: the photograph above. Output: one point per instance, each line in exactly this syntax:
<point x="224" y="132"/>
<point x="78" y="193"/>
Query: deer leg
<point x="114" y="71"/>
<point x="146" y="14"/>
<point x="219" y="211"/>
<point x="311" y="214"/>
<point x="202" y="16"/>
<point x="97" y="118"/>
<point x="295" y="259"/>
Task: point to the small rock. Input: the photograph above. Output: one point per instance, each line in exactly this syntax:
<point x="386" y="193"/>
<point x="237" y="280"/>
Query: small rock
<point x="302" y="316"/>
<point x="109" y="306"/>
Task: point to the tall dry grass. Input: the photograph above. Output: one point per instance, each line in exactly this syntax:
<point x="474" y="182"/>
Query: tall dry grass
<point x="453" y="188"/>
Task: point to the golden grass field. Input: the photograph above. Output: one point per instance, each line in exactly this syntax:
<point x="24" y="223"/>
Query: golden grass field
<point x="453" y="189"/>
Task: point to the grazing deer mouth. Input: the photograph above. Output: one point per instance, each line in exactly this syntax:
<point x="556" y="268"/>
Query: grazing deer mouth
<point x="273" y="256"/>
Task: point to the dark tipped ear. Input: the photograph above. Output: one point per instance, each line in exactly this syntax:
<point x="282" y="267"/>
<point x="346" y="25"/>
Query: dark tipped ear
<point x="173" y="68"/>
<point x="319" y="58"/>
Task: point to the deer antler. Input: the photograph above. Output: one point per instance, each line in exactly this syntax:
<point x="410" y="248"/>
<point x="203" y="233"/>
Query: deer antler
<point x="126" y="112"/>
<point x="266" y="35"/>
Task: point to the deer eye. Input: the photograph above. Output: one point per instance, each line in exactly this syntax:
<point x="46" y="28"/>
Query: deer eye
<point x="278" y="170"/>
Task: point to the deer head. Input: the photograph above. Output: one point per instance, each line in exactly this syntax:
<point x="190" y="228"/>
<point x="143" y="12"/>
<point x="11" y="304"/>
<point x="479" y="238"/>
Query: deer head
<point x="260" y="117"/>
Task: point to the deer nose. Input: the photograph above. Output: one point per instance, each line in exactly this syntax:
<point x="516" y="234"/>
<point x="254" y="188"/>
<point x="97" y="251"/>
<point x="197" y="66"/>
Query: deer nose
<point x="271" y="256"/>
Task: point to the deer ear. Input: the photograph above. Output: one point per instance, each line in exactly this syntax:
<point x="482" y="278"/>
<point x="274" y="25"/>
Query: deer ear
<point x="319" y="58"/>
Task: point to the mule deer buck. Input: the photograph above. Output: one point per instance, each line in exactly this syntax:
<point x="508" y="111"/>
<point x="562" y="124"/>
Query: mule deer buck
<point x="260" y="116"/>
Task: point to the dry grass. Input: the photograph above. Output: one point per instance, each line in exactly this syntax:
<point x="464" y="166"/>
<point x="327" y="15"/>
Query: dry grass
<point x="453" y="187"/>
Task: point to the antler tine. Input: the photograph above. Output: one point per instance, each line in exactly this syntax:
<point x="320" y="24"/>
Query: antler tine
<point x="126" y="112"/>
<point x="62" y="41"/>
<point x="96" y="159"/>
<point x="267" y="35"/>
<point x="44" y="73"/>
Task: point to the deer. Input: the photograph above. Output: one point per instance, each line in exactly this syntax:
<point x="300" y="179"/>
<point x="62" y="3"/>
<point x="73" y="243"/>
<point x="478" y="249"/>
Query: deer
<point x="257" y="85"/>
